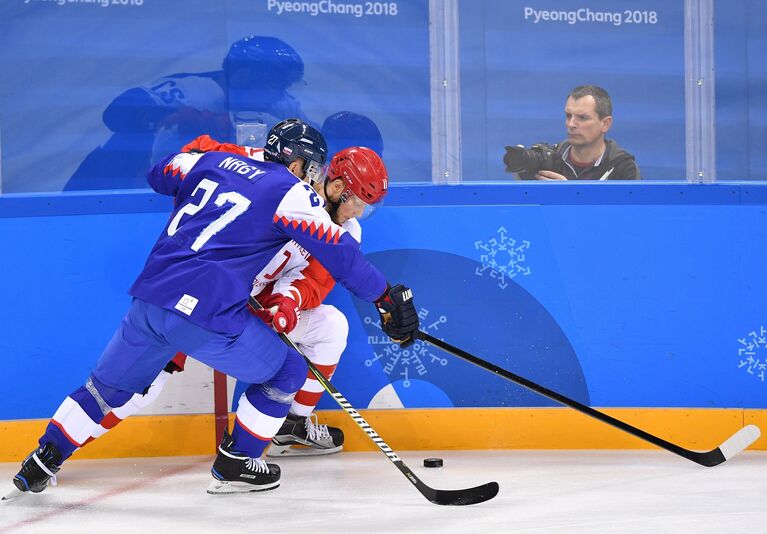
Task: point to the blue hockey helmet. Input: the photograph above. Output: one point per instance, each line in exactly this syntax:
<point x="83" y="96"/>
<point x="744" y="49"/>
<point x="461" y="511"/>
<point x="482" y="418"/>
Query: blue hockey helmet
<point x="291" y="139"/>
<point x="269" y="61"/>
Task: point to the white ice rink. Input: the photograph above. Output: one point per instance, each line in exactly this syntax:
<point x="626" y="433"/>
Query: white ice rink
<point x="541" y="491"/>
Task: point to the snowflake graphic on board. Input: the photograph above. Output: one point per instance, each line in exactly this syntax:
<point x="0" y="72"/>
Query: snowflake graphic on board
<point x="502" y="257"/>
<point x="752" y="353"/>
<point x="411" y="362"/>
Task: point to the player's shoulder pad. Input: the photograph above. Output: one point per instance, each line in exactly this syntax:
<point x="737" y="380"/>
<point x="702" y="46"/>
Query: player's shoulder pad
<point x="353" y="227"/>
<point x="182" y="163"/>
<point x="303" y="208"/>
<point x="300" y="198"/>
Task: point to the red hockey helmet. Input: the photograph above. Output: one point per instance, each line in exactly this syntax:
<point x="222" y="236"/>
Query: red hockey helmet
<point x="363" y="171"/>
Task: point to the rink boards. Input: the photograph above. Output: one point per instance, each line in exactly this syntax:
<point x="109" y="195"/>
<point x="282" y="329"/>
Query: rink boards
<point x="423" y="429"/>
<point x="616" y="295"/>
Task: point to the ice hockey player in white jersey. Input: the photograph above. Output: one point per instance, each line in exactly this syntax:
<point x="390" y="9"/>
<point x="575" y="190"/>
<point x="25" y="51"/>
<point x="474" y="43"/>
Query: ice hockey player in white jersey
<point x="293" y="285"/>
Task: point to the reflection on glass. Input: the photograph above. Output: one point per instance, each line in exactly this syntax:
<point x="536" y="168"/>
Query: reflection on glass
<point x="740" y="46"/>
<point x="346" y="128"/>
<point x="252" y="134"/>
<point x="150" y="121"/>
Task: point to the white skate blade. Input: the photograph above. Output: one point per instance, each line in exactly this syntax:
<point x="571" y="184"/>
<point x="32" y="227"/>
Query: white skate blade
<point x="281" y="451"/>
<point x="223" y="487"/>
<point x="15" y="492"/>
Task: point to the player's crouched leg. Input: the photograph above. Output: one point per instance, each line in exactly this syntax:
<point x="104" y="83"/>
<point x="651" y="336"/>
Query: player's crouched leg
<point x="69" y="428"/>
<point x="238" y="467"/>
<point x="321" y="334"/>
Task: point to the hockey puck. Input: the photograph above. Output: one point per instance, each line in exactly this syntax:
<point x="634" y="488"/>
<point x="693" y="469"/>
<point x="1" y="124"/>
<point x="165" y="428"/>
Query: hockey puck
<point x="432" y="462"/>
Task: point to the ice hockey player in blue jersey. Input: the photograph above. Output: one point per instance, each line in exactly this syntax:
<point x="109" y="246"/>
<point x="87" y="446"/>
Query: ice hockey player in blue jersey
<point x="231" y="215"/>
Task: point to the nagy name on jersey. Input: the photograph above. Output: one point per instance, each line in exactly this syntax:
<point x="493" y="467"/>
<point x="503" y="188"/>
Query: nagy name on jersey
<point x="240" y="167"/>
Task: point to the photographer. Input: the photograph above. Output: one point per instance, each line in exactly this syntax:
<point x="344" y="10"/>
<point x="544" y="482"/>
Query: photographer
<point x="586" y="154"/>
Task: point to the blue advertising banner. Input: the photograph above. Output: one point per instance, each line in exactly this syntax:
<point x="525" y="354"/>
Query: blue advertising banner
<point x="634" y="303"/>
<point x="584" y="300"/>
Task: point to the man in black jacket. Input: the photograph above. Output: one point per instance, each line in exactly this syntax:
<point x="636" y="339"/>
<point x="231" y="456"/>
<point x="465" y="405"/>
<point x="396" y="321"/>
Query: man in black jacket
<point x="586" y="154"/>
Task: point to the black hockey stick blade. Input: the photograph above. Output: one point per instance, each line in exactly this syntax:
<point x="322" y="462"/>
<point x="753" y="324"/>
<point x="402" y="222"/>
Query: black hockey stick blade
<point x="732" y="446"/>
<point x="459" y="497"/>
<point x="463" y="497"/>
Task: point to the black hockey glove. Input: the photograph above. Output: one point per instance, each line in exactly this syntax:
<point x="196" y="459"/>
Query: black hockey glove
<point x="399" y="320"/>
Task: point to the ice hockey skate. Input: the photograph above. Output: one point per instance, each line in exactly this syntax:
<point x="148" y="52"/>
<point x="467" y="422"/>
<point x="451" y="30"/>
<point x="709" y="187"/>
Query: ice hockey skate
<point x="303" y="436"/>
<point x="235" y="473"/>
<point x="37" y="470"/>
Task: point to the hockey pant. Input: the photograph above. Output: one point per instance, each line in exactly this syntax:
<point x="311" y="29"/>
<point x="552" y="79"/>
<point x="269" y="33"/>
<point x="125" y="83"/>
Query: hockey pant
<point x="139" y="401"/>
<point x="147" y="339"/>
<point x="321" y="334"/>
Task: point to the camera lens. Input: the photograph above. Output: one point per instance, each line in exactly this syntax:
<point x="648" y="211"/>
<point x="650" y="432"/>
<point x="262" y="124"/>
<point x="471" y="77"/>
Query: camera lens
<point x="519" y="159"/>
<point x="530" y="160"/>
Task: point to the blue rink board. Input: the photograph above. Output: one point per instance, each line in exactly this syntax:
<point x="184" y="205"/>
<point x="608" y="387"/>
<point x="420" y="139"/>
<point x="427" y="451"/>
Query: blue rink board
<point x="611" y="294"/>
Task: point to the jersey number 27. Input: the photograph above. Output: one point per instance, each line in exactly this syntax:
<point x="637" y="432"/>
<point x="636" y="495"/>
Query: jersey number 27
<point x="240" y="205"/>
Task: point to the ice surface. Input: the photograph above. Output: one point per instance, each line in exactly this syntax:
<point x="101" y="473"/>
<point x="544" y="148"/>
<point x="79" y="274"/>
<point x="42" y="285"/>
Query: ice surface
<point x="347" y="493"/>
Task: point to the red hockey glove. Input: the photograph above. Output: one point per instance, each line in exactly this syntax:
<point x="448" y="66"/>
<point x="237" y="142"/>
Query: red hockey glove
<point x="399" y="320"/>
<point x="280" y="312"/>
<point x="205" y="143"/>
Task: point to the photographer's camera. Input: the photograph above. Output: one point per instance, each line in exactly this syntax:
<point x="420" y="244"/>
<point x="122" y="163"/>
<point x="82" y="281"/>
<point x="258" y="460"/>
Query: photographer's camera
<point x="540" y="156"/>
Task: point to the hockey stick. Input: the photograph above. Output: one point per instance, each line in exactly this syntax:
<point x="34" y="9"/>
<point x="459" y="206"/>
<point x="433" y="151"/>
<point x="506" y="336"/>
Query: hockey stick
<point x="460" y="497"/>
<point x="736" y="443"/>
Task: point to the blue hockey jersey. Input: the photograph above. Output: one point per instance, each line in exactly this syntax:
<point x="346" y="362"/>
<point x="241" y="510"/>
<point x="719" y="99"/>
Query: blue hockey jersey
<point x="232" y="215"/>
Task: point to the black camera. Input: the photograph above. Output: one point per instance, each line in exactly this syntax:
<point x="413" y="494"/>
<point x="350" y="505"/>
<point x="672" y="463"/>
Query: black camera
<point x="540" y="156"/>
